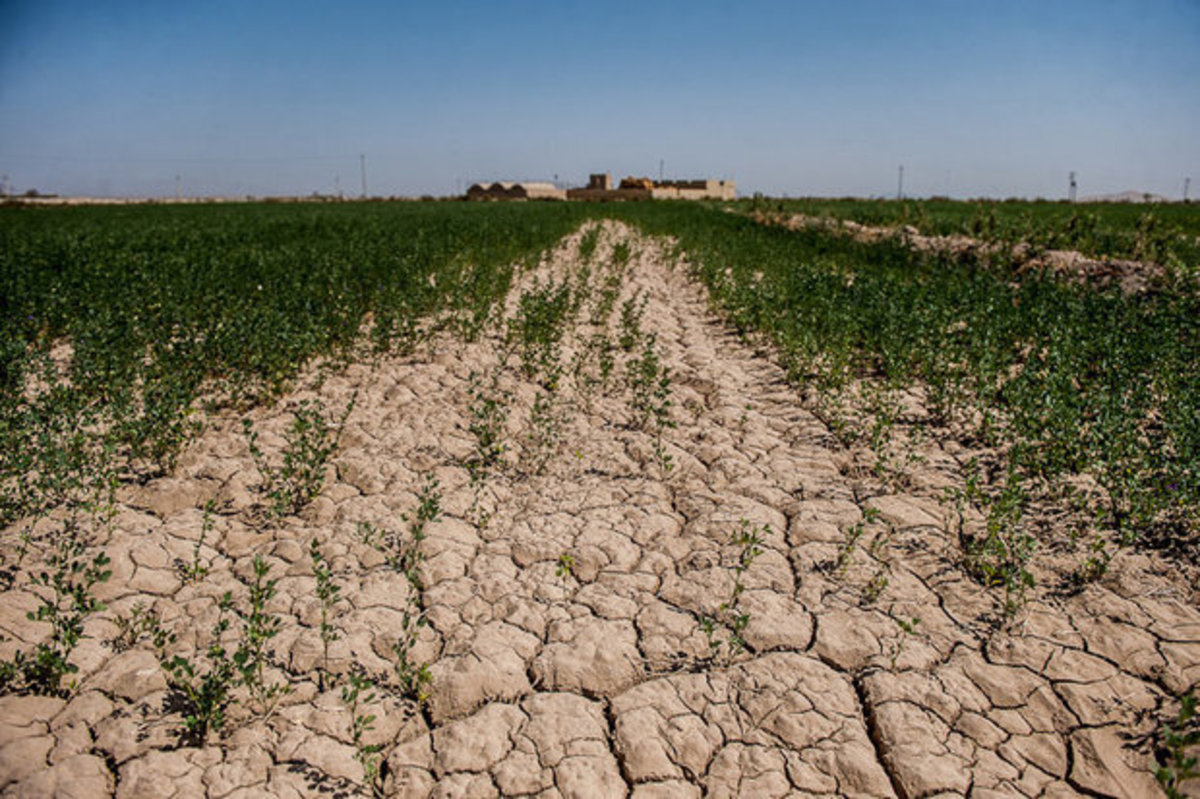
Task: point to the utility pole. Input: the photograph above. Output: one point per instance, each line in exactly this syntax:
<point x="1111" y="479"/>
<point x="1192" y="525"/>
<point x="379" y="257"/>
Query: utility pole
<point x="1187" y="183"/>
<point x="900" y="184"/>
<point x="362" y="162"/>
<point x="178" y="193"/>
<point x="660" y="170"/>
<point x="1071" y="190"/>
<point x="4" y="187"/>
<point x="337" y="186"/>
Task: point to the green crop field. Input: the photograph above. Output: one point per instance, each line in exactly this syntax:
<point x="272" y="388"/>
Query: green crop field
<point x="164" y="306"/>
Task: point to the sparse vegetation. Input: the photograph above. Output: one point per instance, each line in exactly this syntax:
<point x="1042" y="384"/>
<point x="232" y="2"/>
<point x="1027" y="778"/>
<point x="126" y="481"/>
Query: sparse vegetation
<point x="358" y="691"/>
<point x="311" y="440"/>
<point x="67" y="585"/>
<point x="730" y="619"/>
<point x="327" y="595"/>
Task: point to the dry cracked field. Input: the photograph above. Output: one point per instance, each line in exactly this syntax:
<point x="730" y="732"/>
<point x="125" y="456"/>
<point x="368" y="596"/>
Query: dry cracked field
<point x="734" y="605"/>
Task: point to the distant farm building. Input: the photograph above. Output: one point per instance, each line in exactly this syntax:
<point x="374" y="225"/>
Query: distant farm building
<point x="508" y="190"/>
<point x="631" y="188"/>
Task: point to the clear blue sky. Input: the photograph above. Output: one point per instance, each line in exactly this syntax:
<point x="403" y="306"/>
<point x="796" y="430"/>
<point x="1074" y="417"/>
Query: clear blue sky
<point x="973" y="97"/>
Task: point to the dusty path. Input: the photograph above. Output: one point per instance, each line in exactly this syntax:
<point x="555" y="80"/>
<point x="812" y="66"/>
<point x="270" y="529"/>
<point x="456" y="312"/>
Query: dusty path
<point x="566" y="610"/>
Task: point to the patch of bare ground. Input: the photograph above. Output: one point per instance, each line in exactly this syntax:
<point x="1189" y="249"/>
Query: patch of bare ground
<point x="633" y="588"/>
<point x="1132" y="276"/>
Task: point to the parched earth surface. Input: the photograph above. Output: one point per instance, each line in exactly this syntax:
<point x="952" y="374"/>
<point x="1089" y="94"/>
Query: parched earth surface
<point x="579" y="619"/>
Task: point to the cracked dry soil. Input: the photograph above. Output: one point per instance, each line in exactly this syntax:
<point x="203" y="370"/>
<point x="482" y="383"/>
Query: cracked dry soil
<point x="597" y="679"/>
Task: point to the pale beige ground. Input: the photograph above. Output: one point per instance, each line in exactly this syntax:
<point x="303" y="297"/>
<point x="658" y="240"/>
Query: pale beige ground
<point x="600" y="682"/>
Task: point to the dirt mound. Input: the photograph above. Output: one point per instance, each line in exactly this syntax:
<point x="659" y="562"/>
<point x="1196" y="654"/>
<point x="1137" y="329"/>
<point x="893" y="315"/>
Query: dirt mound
<point x="1131" y="276"/>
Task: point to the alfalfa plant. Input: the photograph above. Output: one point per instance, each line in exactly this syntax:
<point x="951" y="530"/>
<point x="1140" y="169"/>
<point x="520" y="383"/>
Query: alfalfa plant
<point x="621" y="255"/>
<point x="327" y="595"/>
<point x="629" y="333"/>
<point x="206" y="692"/>
<point x="1179" y="735"/>
<point x="69" y="581"/>
<point x="488" y="415"/>
<point x="311" y="441"/>
<point x="259" y="626"/>
<point x="358" y="691"/>
<point x="196" y="571"/>
<point x="748" y="539"/>
<point x="876" y="585"/>
<point x="141" y="621"/>
<point x="1000" y="555"/>
<point x="414" y="677"/>
<point x="545" y="432"/>
<point x="602" y="308"/>
<point x="537" y="330"/>
<point x="566" y="566"/>
<point x="587" y="244"/>
<point x="429" y="509"/>
<point x="650" y="400"/>
<point x="1095" y="565"/>
<point x="850" y="541"/>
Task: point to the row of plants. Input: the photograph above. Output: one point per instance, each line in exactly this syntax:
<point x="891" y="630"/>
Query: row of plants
<point x="1164" y="233"/>
<point x="1058" y="379"/>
